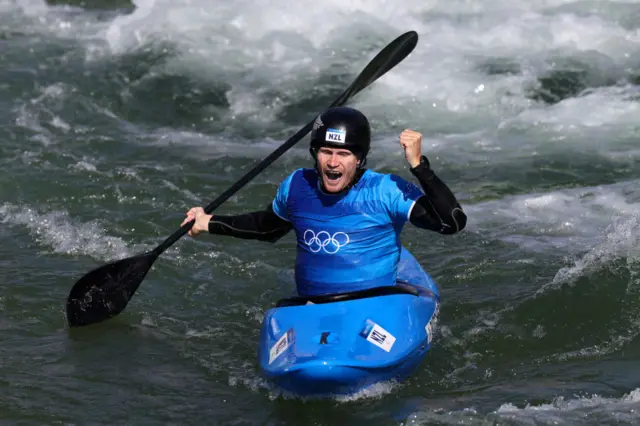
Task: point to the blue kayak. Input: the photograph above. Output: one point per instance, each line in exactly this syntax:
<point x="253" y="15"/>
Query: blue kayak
<point x="343" y="343"/>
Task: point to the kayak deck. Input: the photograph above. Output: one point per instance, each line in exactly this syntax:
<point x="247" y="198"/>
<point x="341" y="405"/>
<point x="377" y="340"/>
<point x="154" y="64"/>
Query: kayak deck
<point x="341" y="344"/>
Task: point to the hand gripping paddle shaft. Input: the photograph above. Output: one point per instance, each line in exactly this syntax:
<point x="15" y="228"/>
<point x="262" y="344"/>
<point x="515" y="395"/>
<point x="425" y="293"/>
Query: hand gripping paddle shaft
<point x="105" y="291"/>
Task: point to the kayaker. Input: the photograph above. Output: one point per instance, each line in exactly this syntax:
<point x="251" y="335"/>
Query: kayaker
<point x="347" y="219"/>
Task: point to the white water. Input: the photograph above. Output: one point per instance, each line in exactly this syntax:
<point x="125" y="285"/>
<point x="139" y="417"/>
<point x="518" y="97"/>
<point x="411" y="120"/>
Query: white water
<point x="562" y="411"/>
<point x="441" y="88"/>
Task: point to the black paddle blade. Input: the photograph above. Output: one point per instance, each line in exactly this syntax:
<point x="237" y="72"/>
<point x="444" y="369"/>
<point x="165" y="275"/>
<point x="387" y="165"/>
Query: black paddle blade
<point x="106" y="291"/>
<point x="394" y="53"/>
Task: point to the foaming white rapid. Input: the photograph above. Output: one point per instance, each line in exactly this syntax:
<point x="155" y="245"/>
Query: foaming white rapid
<point x="57" y="230"/>
<point x="469" y="79"/>
<point x="595" y="220"/>
<point x="279" y="43"/>
<point x="560" y="411"/>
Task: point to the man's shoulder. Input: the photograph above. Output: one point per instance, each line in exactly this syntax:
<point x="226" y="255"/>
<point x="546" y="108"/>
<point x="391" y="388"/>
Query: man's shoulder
<point x="392" y="184"/>
<point x="379" y="178"/>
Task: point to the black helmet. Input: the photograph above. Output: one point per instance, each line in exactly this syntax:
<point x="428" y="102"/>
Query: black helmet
<point x="342" y="127"/>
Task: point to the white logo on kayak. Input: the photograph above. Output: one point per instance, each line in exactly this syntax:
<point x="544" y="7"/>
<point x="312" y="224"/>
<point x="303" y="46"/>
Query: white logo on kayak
<point x="324" y="241"/>
<point x="335" y="135"/>
<point x="281" y="345"/>
<point x="429" y="329"/>
<point x="378" y="336"/>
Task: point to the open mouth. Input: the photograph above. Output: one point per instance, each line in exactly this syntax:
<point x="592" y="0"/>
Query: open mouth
<point x="332" y="176"/>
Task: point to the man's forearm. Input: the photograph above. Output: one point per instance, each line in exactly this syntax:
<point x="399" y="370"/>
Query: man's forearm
<point x="262" y="225"/>
<point x="438" y="209"/>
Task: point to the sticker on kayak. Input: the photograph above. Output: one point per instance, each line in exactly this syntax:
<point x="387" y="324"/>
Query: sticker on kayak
<point x="429" y="328"/>
<point x="335" y="135"/>
<point x="378" y="336"/>
<point x="281" y="345"/>
<point x="429" y="331"/>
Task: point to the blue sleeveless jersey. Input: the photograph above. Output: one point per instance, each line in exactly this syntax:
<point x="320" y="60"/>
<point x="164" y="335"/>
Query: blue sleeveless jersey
<point x="349" y="241"/>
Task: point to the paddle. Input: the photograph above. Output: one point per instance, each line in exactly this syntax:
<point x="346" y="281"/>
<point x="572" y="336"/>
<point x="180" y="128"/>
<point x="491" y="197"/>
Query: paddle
<point x="105" y="291"/>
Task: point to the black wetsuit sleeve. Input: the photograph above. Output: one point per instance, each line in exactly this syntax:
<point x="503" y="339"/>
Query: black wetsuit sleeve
<point x="437" y="210"/>
<point x="262" y="225"/>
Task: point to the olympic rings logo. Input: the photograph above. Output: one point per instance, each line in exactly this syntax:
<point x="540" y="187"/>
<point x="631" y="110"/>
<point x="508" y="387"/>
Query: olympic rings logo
<point x="324" y="241"/>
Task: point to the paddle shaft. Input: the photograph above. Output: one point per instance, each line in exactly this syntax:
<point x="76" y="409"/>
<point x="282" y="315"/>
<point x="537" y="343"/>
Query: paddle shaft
<point x="105" y="291"/>
<point x="382" y="63"/>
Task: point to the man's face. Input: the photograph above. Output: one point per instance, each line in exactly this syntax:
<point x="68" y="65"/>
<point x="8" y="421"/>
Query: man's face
<point x="337" y="168"/>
